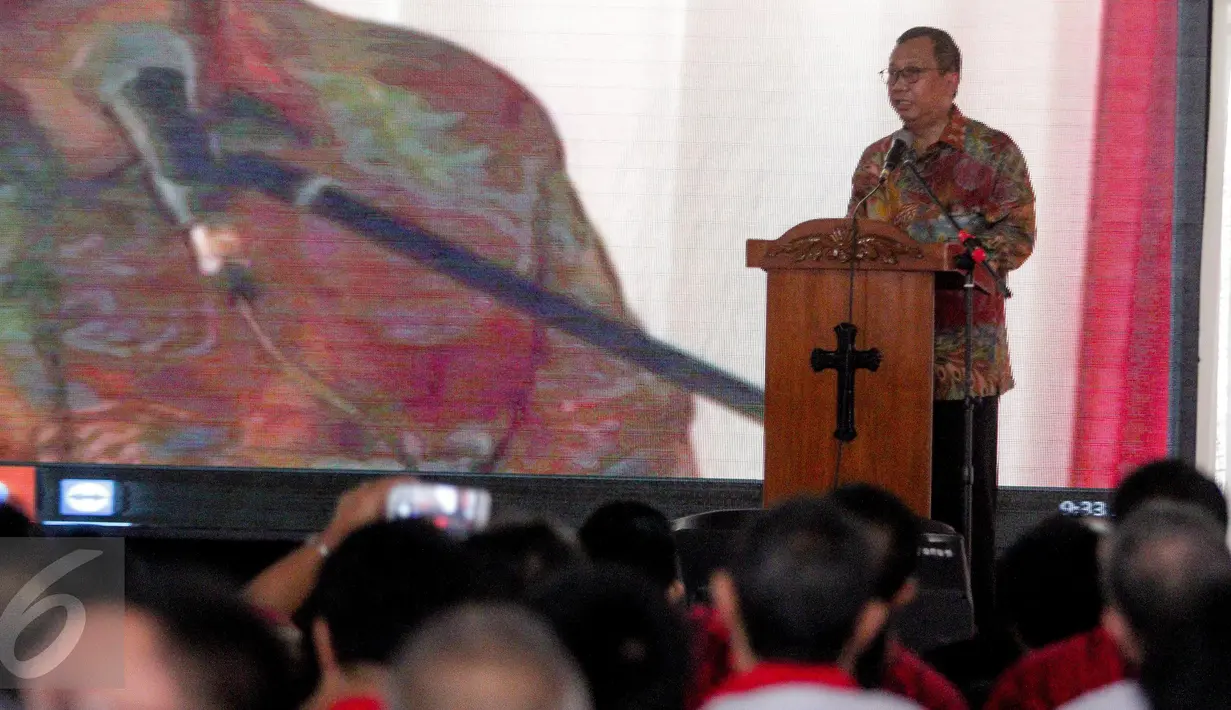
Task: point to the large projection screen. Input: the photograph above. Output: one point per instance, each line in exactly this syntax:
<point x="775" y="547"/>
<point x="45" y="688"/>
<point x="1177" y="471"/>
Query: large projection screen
<point x="618" y="151"/>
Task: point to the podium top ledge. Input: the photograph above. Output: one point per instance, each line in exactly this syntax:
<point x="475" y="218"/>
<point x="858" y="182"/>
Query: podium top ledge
<point x="828" y="244"/>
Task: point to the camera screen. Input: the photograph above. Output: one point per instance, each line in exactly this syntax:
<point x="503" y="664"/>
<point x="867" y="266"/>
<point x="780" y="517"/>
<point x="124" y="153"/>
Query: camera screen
<point x="450" y="508"/>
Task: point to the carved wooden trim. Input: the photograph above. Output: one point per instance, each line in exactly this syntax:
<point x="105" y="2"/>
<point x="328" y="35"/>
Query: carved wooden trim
<point x="836" y="245"/>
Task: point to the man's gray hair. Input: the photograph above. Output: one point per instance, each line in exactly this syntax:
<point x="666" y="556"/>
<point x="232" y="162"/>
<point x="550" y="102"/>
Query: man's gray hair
<point x="1163" y="558"/>
<point x="442" y="665"/>
<point x="948" y="56"/>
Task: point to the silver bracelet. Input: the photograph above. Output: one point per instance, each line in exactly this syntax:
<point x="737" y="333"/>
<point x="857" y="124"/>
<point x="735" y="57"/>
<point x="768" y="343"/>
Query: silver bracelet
<point x="321" y="548"/>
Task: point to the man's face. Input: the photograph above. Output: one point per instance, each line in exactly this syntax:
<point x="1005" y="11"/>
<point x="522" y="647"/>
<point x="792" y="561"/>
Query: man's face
<point x="929" y="98"/>
<point x="150" y="682"/>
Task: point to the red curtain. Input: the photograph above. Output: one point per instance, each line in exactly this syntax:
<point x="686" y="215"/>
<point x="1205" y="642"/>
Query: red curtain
<point x="1121" y="413"/>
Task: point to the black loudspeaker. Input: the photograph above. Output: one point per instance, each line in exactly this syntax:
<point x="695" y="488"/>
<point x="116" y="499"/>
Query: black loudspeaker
<point x="941" y="613"/>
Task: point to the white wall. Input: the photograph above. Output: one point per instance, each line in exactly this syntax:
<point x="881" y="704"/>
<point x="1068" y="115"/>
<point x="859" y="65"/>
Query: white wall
<point x="1212" y="373"/>
<point x="693" y="125"/>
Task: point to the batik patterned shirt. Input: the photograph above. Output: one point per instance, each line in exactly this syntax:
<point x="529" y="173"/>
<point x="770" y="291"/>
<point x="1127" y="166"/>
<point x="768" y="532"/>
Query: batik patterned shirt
<point x="980" y="175"/>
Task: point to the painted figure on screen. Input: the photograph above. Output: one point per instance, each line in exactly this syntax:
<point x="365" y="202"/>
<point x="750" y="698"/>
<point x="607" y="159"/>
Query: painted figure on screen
<point x="117" y="347"/>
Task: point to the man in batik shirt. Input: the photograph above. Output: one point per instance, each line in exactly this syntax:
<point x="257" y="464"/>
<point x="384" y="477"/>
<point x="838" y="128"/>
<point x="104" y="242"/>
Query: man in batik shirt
<point x="980" y="176"/>
<point x="116" y="348"/>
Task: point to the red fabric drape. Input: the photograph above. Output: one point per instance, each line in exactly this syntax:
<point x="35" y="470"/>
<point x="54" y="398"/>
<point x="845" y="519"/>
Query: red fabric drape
<point x="1121" y="414"/>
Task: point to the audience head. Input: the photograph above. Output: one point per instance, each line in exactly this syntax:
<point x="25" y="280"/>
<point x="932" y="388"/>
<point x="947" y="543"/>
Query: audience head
<point x="1047" y="583"/>
<point x="636" y="535"/>
<point x="516" y="556"/>
<point x="187" y="643"/>
<point x="492" y="657"/>
<point x="1173" y="480"/>
<point x="799" y="588"/>
<point x="894" y="532"/>
<point x="381" y="583"/>
<point x="1187" y="669"/>
<point x="630" y="642"/>
<point x="14" y="523"/>
<point x="1165" y="558"/>
<point x="15" y="570"/>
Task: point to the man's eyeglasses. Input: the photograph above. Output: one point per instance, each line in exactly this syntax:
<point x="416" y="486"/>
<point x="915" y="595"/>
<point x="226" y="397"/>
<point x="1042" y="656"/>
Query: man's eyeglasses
<point x="909" y="74"/>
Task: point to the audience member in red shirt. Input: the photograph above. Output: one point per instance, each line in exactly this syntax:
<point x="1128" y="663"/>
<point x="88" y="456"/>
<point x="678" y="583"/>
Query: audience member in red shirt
<point x="1063" y="671"/>
<point x="371" y="593"/>
<point x="1168" y="581"/>
<point x="639" y="536"/>
<point x="630" y="642"/>
<point x="711" y="654"/>
<point x="1047" y="582"/>
<point x="175" y="639"/>
<point x="281" y="589"/>
<point x="895" y="532"/>
<point x="487" y="657"/>
<point x="909" y="676"/>
<point x="1055" y="674"/>
<point x="360" y="702"/>
<point x="798" y="594"/>
<point x="905" y="674"/>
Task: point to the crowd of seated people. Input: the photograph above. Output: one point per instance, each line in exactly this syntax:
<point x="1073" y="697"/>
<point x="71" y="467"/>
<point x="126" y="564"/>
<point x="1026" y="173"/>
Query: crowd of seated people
<point x="373" y="614"/>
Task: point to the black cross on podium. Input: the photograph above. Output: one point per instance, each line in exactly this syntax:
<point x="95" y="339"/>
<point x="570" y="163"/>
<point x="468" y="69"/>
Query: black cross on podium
<point x="846" y="359"/>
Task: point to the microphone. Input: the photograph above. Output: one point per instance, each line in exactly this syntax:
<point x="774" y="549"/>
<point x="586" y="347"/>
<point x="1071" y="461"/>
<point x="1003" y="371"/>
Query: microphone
<point x="900" y="148"/>
<point x="146" y="77"/>
<point x="903" y="142"/>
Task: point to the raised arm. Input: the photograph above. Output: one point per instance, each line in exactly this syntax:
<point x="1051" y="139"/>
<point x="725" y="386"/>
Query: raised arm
<point x="286" y="584"/>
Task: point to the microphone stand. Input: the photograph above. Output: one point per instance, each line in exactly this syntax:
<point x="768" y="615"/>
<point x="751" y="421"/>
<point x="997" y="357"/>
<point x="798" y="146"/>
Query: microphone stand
<point x="846" y="399"/>
<point x="971" y="243"/>
<point x="967" y="261"/>
<point x="312" y="192"/>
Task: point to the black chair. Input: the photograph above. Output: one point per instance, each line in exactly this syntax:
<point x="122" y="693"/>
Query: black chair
<point x="941" y="614"/>
<point x="703" y="541"/>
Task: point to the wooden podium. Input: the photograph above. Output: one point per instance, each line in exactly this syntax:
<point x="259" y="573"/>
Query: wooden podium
<point x="892" y="305"/>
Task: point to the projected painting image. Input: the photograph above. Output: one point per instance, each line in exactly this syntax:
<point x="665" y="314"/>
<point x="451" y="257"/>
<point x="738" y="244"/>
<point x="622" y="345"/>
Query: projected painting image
<point x="119" y="345"/>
